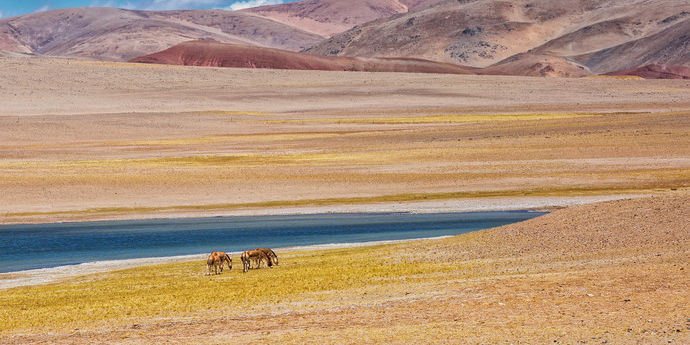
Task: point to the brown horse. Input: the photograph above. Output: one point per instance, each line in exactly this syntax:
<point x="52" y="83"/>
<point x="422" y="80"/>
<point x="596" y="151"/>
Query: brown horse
<point x="224" y="258"/>
<point x="271" y="255"/>
<point x="216" y="259"/>
<point x="214" y="262"/>
<point x="253" y="255"/>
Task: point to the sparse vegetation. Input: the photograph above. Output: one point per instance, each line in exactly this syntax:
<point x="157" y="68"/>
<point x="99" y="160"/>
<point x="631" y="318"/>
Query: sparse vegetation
<point x="450" y="118"/>
<point x="183" y="289"/>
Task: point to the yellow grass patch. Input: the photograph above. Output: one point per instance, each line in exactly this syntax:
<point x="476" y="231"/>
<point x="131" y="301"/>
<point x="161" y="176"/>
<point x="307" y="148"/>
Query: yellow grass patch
<point x="406" y="197"/>
<point x="621" y="77"/>
<point x="183" y="289"/>
<point x="259" y="137"/>
<point x="449" y="118"/>
<point x="233" y="112"/>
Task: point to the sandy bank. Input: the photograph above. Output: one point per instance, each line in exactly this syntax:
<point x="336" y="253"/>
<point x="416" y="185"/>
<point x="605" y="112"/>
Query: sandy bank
<point x="66" y="273"/>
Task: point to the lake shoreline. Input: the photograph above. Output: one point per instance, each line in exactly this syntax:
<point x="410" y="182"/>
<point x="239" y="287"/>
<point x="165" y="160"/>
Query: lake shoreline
<point x="21" y="278"/>
<point x="40" y="276"/>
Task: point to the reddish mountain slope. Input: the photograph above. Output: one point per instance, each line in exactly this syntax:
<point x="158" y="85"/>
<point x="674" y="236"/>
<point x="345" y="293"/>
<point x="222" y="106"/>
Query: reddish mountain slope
<point x="330" y="17"/>
<point x="201" y="53"/>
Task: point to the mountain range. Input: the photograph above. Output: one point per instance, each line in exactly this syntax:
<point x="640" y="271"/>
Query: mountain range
<point x="564" y="38"/>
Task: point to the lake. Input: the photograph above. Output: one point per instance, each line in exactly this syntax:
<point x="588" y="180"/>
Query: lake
<point x="33" y="246"/>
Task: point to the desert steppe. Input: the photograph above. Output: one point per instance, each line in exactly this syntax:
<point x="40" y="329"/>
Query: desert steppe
<point x="89" y="140"/>
<point x="93" y="141"/>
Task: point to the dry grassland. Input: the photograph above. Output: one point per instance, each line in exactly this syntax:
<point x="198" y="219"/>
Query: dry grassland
<point x="86" y="141"/>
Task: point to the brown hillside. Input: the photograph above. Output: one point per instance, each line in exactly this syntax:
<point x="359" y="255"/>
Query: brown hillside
<point x="202" y="53"/>
<point x="330" y="17"/>
<point x="119" y="35"/>
<point x="483" y="33"/>
<point x="537" y="65"/>
<point x="657" y="72"/>
<point x="670" y="46"/>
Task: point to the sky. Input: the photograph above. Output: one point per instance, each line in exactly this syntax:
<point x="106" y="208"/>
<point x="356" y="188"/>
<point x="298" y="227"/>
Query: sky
<point x="10" y="8"/>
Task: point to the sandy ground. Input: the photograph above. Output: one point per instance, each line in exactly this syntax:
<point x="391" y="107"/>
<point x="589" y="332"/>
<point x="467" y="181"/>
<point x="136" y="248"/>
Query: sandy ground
<point x="91" y="141"/>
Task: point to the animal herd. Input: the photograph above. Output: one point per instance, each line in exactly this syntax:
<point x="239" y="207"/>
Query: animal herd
<point x="217" y="260"/>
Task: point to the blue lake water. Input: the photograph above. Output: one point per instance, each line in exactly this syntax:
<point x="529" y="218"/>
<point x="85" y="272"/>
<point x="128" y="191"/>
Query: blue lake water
<point x="24" y="247"/>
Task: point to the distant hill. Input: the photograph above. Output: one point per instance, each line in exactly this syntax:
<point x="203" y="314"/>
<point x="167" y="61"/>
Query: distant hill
<point x="598" y="35"/>
<point x="657" y="72"/>
<point x="549" y="38"/>
<point x="538" y="65"/>
<point x="204" y="53"/>
<point x="330" y="17"/>
<point x="668" y="46"/>
<point x="120" y="35"/>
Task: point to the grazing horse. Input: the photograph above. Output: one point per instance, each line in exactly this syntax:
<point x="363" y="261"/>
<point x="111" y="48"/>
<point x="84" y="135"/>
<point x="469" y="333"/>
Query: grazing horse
<point x="223" y="258"/>
<point x="253" y="255"/>
<point x="271" y="255"/>
<point x="214" y="262"/>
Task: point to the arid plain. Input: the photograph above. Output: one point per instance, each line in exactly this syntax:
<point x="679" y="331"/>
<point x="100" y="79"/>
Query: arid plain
<point x="93" y="141"/>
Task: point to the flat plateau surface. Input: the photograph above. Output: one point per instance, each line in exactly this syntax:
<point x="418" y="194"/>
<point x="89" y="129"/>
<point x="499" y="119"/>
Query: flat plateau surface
<point x="88" y="141"/>
<point x="93" y="141"/>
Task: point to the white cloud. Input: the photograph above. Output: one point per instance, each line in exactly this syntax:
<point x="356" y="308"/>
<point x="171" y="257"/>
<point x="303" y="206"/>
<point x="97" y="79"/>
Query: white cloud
<point x="158" y="5"/>
<point x="239" y="5"/>
<point x="42" y="8"/>
<point x="112" y="3"/>
<point x="164" y="5"/>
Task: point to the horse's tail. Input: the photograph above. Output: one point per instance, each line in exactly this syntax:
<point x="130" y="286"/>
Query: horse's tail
<point x="209" y="263"/>
<point x="245" y="261"/>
